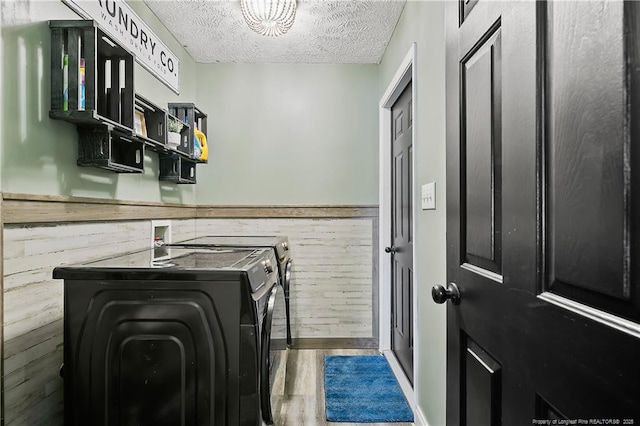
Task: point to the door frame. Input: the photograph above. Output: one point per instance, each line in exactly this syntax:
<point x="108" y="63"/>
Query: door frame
<point x="405" y="73"/>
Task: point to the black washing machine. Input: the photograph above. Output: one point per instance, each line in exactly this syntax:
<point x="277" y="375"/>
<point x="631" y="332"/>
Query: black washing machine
<point x="180" y="340"/>
<point x="280" y="246"/>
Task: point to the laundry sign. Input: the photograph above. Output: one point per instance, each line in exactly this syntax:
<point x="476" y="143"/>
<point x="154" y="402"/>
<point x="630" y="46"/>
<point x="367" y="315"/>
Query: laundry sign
<point x="121" y="23"/>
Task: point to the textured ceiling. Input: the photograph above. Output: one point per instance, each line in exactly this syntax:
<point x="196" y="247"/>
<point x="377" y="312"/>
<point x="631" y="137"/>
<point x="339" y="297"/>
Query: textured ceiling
<point x="325" y="31"/>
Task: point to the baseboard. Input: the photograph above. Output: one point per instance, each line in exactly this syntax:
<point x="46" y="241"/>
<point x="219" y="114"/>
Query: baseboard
<point x="404" y="383"/>
<point x="419" y="418"/>
<point x="337" y="343"/>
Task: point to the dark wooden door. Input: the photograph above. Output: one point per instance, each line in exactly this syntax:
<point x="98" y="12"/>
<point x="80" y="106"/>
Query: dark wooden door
<point x="543" y="199"/>
<point x="401" y="232"/>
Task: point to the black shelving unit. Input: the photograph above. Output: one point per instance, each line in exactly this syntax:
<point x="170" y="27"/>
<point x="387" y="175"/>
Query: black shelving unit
<point x="155" y="124"/>
<point x="175" y="165"/>
<point x="108" y="93"/>
<point x="177" y="168"/>
<point x="107" y="148"/>
<point x="105" y="61"/>
<point x="184" y="138"/>
<point x="106" y="118"/>
<point x="190" y="114"/>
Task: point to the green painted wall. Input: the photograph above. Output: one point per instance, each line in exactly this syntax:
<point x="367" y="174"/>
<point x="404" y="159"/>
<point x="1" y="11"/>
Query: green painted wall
<point x="39" y="154"/>
<point x="301" y="134"/>
<point x="289" y="134"/>
<point x="423" y="23"/>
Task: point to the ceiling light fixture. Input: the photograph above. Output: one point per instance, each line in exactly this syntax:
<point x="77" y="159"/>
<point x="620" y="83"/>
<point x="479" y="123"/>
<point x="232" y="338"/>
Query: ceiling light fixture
<point x="269" y="17"/>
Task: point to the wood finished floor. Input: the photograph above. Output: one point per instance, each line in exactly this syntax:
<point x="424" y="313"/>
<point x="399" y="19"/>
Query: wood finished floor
<point x="298" y="400"/>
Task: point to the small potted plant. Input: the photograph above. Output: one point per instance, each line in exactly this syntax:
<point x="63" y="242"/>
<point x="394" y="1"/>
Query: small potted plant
<point x="174" y="128"/>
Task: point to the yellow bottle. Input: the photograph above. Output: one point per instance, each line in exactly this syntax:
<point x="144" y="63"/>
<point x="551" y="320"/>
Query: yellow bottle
<point x="203" y="144"/>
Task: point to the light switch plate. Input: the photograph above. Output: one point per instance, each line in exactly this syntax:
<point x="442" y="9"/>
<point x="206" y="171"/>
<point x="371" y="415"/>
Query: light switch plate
<point x="429" y="196"/>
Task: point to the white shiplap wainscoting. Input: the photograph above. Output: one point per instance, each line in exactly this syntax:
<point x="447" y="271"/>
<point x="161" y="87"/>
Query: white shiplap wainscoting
<point x="33" y="305"/>
<point x="332" y="277"/>
<point x="333" y="293"/>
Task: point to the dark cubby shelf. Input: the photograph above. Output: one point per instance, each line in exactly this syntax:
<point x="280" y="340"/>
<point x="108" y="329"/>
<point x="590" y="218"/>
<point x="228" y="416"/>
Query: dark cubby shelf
<point x="109" y="149"/>
<point x="155" y="124"/>
<point x="184" y="141"/>
<point x="106" y="118"/>
<point x="190" y="114"/>
<point x="177" y="168"/>
<point x="175" y="164"/>
<point x="106" y="65"/>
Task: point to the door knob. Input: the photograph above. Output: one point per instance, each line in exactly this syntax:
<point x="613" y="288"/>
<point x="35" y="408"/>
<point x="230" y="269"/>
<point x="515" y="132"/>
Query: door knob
<point x="441" y="294"/>
<point x="392" y="249"/>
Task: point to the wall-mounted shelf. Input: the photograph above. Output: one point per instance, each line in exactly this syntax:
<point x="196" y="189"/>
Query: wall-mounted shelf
<point x="177" y="169"/>
<point x="178" y="138"/>
<point x="155" y="131"/>
<point x="92" y="86"/>
<point x="107" y="74"/>
<point x="107" y="148"/>
<point x="190" y="114"/>
<point x="155" y="124"/>
<point x="175" y="164"/>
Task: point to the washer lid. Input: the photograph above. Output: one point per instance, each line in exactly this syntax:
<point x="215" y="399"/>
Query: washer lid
<point x="279" y="243"/>
<point x="192" y="263"/>
<point x="235" y="240"/>
<point x="185" y="258"/>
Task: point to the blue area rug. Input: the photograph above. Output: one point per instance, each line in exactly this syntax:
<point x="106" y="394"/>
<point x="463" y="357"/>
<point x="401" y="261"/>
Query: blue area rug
<point x="363" y="389"/>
